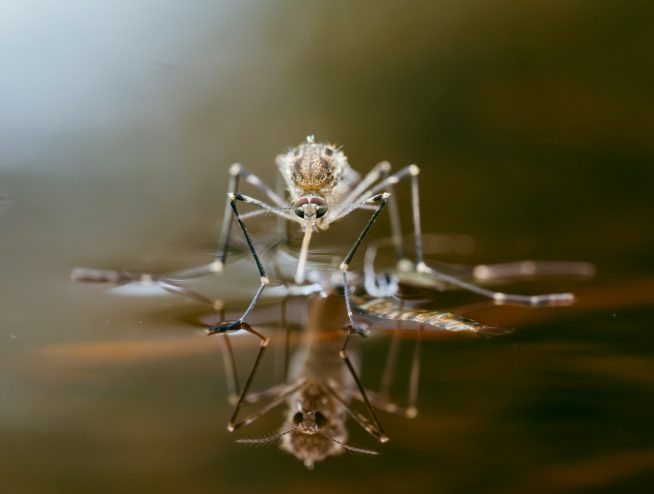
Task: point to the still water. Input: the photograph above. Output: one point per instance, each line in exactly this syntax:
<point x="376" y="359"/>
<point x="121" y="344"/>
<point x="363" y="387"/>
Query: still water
<point x="532" y="127"/>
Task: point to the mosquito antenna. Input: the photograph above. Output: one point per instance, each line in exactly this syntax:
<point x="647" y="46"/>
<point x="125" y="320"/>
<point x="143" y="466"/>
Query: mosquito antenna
<point x="349" y="447"/>
<point x="263" y="440"/>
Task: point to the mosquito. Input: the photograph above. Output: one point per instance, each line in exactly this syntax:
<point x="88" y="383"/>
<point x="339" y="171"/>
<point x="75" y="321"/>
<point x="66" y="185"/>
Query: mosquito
<point x="323" y="188"/>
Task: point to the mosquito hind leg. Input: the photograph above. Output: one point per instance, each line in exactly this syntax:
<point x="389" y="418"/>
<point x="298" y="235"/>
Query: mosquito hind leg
<point x="498" y="297"/>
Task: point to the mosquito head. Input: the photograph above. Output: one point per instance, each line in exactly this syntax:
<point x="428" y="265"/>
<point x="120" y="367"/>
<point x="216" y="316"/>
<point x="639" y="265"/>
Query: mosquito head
<point x="308" y="207"/>
<point x="309" y="422"/>
<point x="314" y="424"/>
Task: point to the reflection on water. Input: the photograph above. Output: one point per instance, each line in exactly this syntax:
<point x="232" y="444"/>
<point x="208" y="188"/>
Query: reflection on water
<point x="317" y="391"/>
<point x="531" y="122"/>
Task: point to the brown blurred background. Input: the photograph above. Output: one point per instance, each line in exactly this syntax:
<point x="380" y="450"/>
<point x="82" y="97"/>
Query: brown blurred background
<point x="532" y="122"/>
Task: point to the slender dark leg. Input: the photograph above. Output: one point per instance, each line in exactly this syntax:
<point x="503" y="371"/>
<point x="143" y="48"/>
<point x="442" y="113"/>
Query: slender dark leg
<point x="345" y="265"/>
<point x="263" y="344"/>
<point x="375" y="427"/>
<point x="262" y="273"/>
<point x="236" y="172"/>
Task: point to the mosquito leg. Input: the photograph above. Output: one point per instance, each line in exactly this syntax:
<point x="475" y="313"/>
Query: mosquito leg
<point x="363" y="421"/>
<point x="287" y="339"/>
<point x="375" y="427"/>
<point x="528" y="269"/>
<point x="345" y="265"/>
<point x="391" y="362"/>
<point x="498" y="297"/>
<point x="378" y="284"/>
<point x="386" y="184"/>
<point x="232" y="188"/>
<point x="273" y="391"/>
<point x="161" y="280"/>
<point x="394" y="215"/>
<point x="414" y="380"/>
<point x="381" y="285"/>
<point x="236" y="172"/>
<point x="176" y="289"/>
<point x="283" y="394"/>
<point x="262" y="273"/>
<point x="379" y="171"/>
<point x="231" y="372"/>
<point x="382" y="401"/>
<point x="263" y="344"/>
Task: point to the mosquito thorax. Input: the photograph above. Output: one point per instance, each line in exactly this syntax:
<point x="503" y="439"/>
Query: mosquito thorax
<point x="312" y="170"/>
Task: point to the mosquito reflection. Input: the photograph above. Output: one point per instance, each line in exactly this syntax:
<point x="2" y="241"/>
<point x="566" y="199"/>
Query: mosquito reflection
<point x="321" y="389"/>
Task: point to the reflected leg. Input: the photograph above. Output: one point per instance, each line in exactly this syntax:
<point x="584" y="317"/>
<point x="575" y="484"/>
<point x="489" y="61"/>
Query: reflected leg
<point x="374" y="426"/>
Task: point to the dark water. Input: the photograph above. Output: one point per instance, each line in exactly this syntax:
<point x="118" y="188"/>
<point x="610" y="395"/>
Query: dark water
<point x="532" y="125"/>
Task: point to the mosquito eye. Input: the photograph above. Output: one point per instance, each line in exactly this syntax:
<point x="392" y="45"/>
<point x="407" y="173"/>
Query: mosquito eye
<point x="320" y="420"/>
<point x="299" y="212"/>
<point x="298" y="418"/>
<point x="322" y="211"/>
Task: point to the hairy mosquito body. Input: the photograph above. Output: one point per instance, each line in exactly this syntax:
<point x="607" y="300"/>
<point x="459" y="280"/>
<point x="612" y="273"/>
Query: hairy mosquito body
<point x="321" y="188"/>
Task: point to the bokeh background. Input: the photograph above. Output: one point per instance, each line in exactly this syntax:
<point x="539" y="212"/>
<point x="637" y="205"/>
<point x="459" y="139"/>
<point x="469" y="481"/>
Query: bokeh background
<point x="532" y="122"/>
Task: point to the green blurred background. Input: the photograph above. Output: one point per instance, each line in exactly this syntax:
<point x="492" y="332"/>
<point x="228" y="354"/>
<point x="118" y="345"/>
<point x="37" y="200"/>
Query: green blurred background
<point x="532" y="123"/>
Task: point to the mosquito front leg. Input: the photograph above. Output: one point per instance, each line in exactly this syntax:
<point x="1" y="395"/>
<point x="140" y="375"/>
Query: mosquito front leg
<point x="262" y="273"/>
<point x="345" y="265"/>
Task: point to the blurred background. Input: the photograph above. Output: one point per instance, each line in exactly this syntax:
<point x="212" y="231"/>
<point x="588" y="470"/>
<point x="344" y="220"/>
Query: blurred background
<point x="532" y="123"/>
